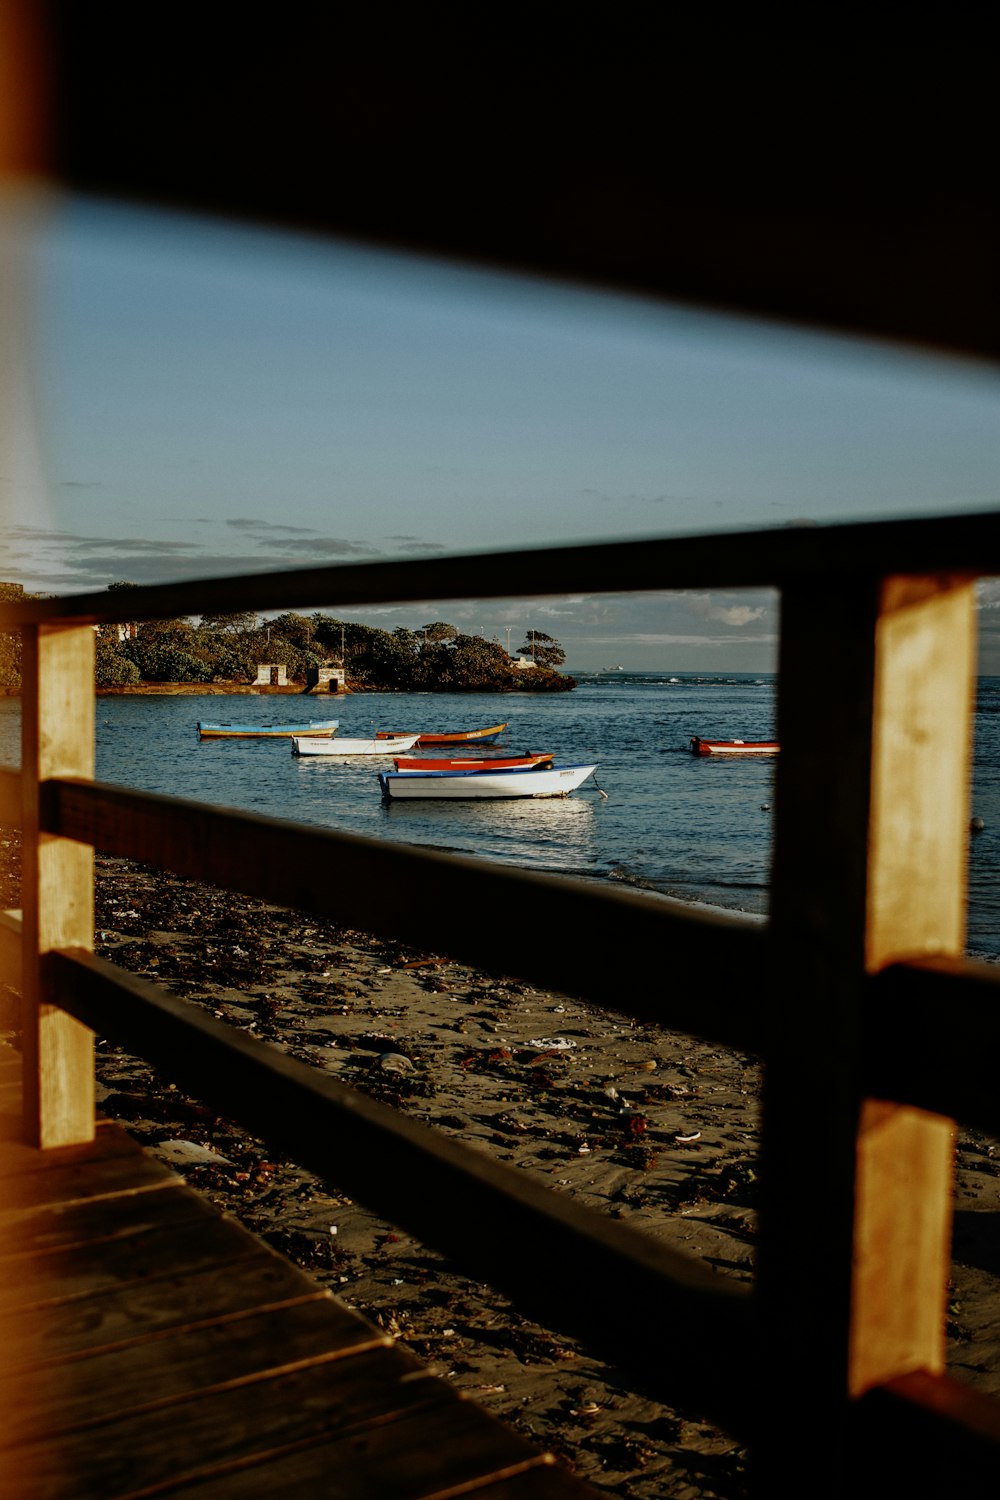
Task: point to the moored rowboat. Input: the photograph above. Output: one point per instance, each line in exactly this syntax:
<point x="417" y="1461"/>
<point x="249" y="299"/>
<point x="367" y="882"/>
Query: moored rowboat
<point x="472" y="762"/>
<point x="301" y="746"/>
<point x="458" y="737"/>
<point x="474" y="785"/>
<point x="210" y="731"/>
<point x="733" y="747"/>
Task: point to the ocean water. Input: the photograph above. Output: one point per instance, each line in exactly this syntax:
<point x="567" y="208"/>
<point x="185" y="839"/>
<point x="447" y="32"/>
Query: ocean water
<point x="695" y="828"/>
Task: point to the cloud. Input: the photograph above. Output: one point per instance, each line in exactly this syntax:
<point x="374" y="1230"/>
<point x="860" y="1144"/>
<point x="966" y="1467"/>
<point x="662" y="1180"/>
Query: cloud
<point x="246" y="524"/>
<point x="649" y="639"/>
<point x="636" y="499"/>
<point x="412" y="544"/>
<point x="713" y="607"/>
<point x="325" y="546"/>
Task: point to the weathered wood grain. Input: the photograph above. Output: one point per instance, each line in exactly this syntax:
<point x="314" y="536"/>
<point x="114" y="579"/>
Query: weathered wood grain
<point x="146" y="1350"/>
<point x="57" y="738"/>
<point x="138" y="1308"/>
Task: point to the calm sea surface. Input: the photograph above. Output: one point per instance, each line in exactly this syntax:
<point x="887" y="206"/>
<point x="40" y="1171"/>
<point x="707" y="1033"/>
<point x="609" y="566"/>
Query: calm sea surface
<point x="699" y="829"/>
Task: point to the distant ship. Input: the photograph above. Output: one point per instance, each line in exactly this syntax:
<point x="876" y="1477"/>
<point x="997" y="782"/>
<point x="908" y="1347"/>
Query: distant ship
<point x="618" y="668"/>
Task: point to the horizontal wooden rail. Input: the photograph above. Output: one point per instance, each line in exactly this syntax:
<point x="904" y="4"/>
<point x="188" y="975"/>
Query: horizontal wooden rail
<point x="754" y="559"/>
<point x="920" y="1017"/>
<point x="642" y="955"/>
<point x="566" y="1265"/>
<point x="928" y="1434"/>
<point x="714" y="964"/>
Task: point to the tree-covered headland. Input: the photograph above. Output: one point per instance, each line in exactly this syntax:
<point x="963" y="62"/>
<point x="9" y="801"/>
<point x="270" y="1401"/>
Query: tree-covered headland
<point x="230" y="647"/>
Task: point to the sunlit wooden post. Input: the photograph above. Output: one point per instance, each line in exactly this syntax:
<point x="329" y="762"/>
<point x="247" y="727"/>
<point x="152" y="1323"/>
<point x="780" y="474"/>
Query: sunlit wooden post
<point x="58" y="881"/>
<point x="870" y="847"/>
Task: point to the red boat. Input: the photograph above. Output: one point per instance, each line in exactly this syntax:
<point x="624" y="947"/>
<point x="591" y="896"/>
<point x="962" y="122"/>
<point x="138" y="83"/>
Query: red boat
<point x="471" y="762"/>
<point x="733" y="747"/>
<point x="485" y="736"/>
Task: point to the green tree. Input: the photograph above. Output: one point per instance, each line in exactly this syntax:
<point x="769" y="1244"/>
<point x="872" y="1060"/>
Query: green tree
<point x="476" y="663"/>
<point x="438" y="632"/>
<point x="168" y="651"/>
<point x="236" y="622"/>
<point x="112" y="666"/>
<point x="543" y="649"/>
<point x="386" y="660"/>
<point x="327" y="634"/>
<point x="433" y="668"/>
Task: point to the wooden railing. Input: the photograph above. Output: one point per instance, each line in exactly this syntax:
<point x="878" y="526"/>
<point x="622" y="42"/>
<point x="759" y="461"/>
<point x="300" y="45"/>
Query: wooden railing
<point x="876" y="1033"/>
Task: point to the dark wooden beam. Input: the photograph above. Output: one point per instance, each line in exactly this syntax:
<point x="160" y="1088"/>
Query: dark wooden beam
<point x="828" y="170"/>
<point x="852" y="555"/>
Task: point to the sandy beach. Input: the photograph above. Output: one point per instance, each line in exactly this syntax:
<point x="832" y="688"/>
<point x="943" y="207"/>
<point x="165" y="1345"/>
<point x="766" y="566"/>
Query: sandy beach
<point x="646" y="1124"/>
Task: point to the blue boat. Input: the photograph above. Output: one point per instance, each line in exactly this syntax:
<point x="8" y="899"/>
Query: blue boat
<point x="209" y="731"/>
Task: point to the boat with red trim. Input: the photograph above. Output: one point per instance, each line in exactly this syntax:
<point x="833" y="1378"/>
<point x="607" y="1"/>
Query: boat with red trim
<point x="471" y="762"/>
<point x="733" y="747"/>
<point x="456" y="737"/>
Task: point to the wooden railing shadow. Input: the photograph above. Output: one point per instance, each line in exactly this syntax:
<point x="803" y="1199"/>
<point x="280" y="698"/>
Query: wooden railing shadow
<point x="831" y="1369"/>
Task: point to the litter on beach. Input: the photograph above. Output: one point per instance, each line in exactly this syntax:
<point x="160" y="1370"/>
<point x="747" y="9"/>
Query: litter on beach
<point x="550" y="1044"/>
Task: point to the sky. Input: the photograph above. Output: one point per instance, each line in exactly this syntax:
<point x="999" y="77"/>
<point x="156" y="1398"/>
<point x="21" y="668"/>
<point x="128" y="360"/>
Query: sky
<point x="205" y="400"/>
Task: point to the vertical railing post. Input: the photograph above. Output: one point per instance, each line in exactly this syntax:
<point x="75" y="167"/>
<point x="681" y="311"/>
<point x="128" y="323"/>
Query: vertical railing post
<point x="870" y="844"/>
<point x="58" y="881"/>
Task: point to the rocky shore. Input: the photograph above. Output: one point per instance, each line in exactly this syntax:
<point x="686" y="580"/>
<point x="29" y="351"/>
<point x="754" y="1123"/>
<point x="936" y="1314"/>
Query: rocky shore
<point x="645" y="1124"/>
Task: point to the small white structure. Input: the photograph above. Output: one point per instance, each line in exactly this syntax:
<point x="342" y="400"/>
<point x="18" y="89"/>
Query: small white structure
<point x="271" y="674"/>
<point x="332" y="679"/>
<point x="523" y="663"/>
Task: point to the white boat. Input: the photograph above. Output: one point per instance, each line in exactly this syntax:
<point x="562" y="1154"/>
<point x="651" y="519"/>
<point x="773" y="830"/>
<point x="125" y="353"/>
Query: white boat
<point x="468" y="785"/>
<point x="339" y="747"/>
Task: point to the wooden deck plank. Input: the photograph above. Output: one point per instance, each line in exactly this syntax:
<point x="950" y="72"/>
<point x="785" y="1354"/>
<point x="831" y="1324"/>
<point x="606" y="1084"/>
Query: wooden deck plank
<point x="61" y="1182"/>
<point x="215" y="1429"/>
<point x="544" y="1481"/>
<point x="152" y="1345"/>
<point x="62" y="1395"/>
<point x="147" y="1247"/>
<point x="48" y="1230"/>
<point x="141" y="1309"/>
<point x="110" y="1143"/>
<point x="450" y="1447"/>
<point x="401" y="1437"/>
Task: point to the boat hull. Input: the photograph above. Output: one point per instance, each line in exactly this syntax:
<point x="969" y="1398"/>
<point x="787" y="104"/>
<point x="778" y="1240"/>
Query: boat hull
<point x="471" y="762"/>
<point x="345" y="747"/>
<point x="459" y="737"/>
<point x="323" y="727"/>
<point x="480" y="785"/>
<point x="733" y="747"/>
